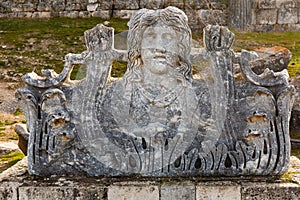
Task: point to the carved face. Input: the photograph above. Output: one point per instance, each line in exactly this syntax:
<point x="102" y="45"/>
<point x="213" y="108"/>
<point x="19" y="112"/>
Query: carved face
<point x="159" y="49"/>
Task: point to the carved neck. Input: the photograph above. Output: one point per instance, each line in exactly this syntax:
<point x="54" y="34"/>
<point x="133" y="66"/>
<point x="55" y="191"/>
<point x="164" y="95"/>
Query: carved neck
<point x="167" y="80"/>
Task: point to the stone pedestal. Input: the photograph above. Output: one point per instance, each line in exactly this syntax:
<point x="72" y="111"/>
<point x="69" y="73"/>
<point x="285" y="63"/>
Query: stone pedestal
<point x="16" y="184"/>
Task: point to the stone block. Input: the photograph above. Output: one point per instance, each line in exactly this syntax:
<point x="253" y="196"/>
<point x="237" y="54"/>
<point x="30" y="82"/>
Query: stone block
<point x="84" y="14"/>
<point x="266" y="16"/>
<point x="212" y="17"/>
<point x="7" y="193"/>
<point x="92" y="7"/>
<point x="41" y="14"/>
<point x="58" y="5"/>
<point x="266" y="4"/>
<point x="178" y="191"/>
<point x="270" y="191"/>
<point x="288" y="16"/>
<point x="177" y="3"/>
<point x="56" y="193"/>
<point x="29" y="7"/>
<point x="123" y="14"/>
<point x="285" y="4"/>
<point x="126" y="5"/>
<point x="218" y="191"/>
<point x="105" y="5"/>
<point x="104" y="14"/>
<point x="38" y="193"/>
<point x="151" y="4"/>
<point x="133" y="192"/>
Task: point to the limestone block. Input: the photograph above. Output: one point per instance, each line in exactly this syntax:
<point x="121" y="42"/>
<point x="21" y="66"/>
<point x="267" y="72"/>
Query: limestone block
<point x="72" y="14"/>
<point x="178" y="3"/>
<point x="266" y="16"/>
<point x="218" y="191"/>
<point x="266" y="4"/>
<point x="285" y="4"/>
<point x="123" y="14"/>
<point x="126" y="5"/>
<point x="104" y="14"/>
<point x="38" y="193"/>
<point x="105" y="5"/>
<point x="92" y="7"/>
<point x="58" y="5"/>
<point x="84" y="14"/>
<point x="6" y="193"/>
<point x="270" y="191"/>
<point x="72" y="6"/>
<point x="288" y="16"/>
<point x="42" y="7"/>
<point x="133" y="192"/>
<point x="151" y="4"/>
<point x="29" y="7"/>
<point x="41" y="14"/>
<point x="212" y="17"/>
<point x="178" y="191"/>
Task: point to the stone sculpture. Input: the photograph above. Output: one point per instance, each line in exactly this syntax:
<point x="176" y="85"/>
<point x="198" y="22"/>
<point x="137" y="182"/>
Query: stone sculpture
<point x="159" y="119"/>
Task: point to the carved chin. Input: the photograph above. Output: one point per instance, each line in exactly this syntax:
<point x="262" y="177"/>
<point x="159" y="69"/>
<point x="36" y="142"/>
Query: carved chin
<point x="159" y="67"/>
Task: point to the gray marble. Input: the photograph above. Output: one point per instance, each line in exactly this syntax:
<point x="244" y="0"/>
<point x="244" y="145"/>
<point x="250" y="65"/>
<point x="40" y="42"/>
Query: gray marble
<point x="162" y="118"/>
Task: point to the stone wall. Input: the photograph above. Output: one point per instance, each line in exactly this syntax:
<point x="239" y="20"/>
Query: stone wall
<point x="265" y="15"/>
<point x="253" y="15"/>
<point x="200" y="12"/>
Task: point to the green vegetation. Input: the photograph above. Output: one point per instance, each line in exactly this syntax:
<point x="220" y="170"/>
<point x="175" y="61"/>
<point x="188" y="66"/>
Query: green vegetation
<point x="31" y="45"/>
<point x="10" y="159"/>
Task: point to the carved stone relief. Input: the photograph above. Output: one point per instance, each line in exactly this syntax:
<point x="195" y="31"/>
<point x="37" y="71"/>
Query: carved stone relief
<point x="159" y="119"/>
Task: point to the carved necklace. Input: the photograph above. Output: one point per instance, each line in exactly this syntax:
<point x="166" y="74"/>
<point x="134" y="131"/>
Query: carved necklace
<point x="160" y="99"/>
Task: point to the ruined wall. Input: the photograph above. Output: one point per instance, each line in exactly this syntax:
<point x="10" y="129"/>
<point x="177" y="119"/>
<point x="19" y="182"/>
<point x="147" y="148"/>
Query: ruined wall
<point x="201" y="12"/>
<point x="253" y="15"/>
<point x="265" y="15"/>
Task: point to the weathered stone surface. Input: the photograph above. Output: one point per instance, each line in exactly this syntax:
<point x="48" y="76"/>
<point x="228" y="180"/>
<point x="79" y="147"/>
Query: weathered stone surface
<point x="267" y="4"/>
<point x="178" y="3"/>
<point x="218" y="191"/>
<point x="126" y="5"/>
<point x="266" y="16"/>
<point x="270" y="191"/>
<point x="134" y="191"/>
<point x="275" y="58"/>
<point x="212" y="17"/>
<point x="178" y="191"/>
<point x="123" y="14"/>
<point x="159" y="119"/>
<point x="151" y="4"/>
<point x="295" y="115"/>
<point x="57" y="193"/>
<point x="287" y="16"/>
<point x="286" y="4"/>
<point x="104" y="14"/>
<point x="23" y="137"/>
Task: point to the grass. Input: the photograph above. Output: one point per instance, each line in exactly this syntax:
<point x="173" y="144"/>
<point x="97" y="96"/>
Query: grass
<point x="32" y="45"/>
<point x="35" y="44"/>
<point x="10" y="159"/>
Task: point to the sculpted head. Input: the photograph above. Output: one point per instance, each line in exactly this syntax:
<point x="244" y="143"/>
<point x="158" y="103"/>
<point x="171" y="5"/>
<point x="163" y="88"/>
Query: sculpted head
<point x="159" y="41"/>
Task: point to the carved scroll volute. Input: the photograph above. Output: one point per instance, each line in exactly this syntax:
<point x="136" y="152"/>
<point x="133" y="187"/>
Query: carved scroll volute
<point x="29" y="105"/>
<point x="217" y="38"/>
<point x="267" y="78"/>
